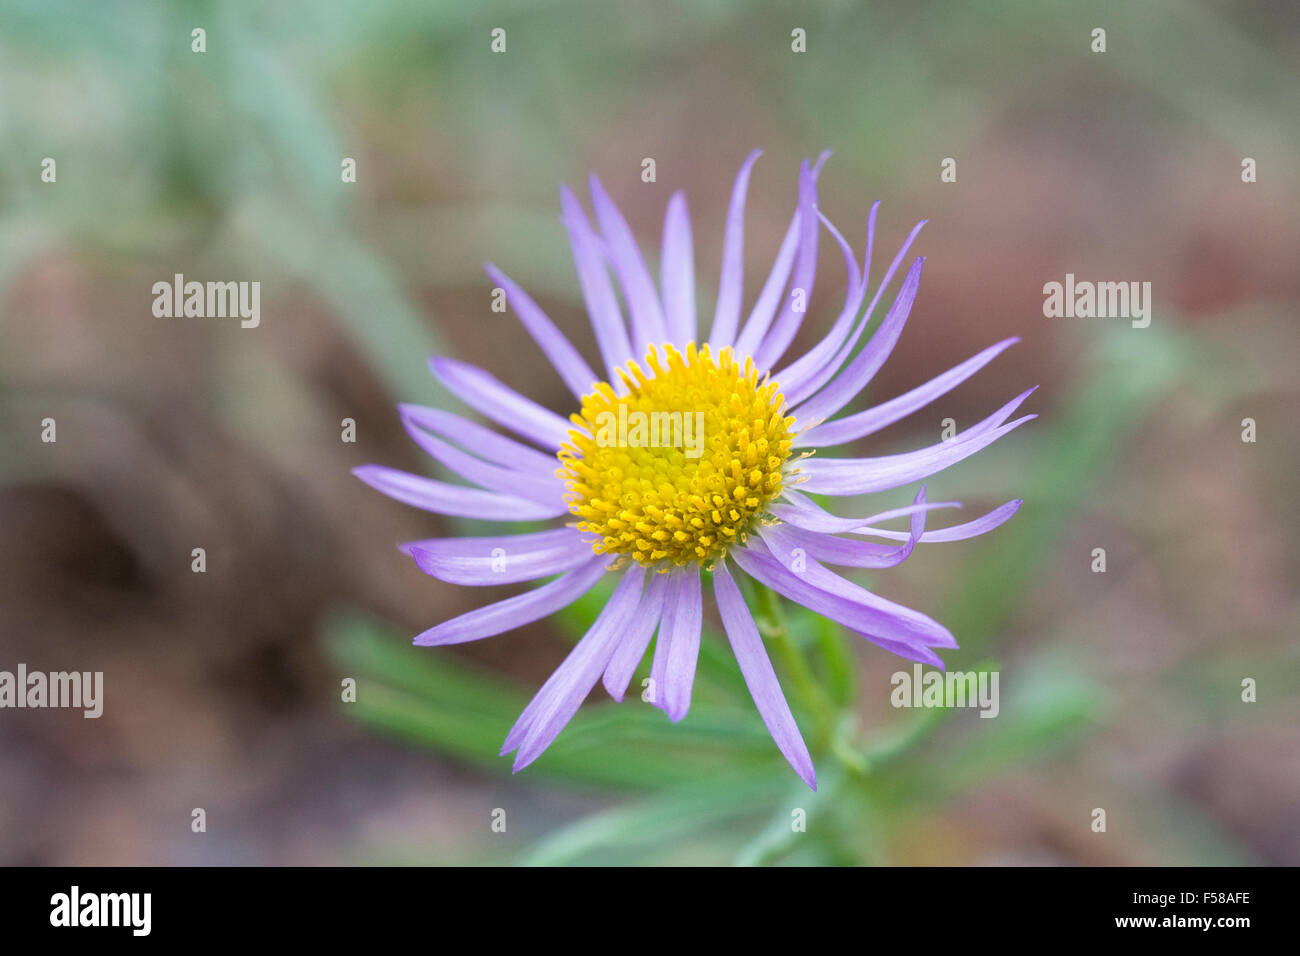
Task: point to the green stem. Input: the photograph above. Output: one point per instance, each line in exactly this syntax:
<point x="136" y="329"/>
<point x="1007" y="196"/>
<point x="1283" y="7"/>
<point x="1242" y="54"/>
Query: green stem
<point x="835" y="723"/>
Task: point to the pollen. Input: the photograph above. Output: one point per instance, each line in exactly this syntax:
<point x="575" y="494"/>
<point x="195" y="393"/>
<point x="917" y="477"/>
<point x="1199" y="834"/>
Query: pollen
<point x="684" y="465"/>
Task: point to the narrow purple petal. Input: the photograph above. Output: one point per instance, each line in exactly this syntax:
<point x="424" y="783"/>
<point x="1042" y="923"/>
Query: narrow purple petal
<point x="814" y="377"/>
<point x="858" y="476"/>
<point x="506" y="559"/>
<point x="770" y="296"/>
<point x="513" y="612"/>
<point x="580" y="653"/>
<point x="767" y="345"/>
<point x="759" y="676"/>
<point x="821" y="590"/>
<point x="730" y="279"/>
<point x="677" y="272"/>
<point x="638" y="288"/>
<point x="845" y="552"/>
<point x="484" y="441"/>
<point x="913" y="652"/>
<point x="801" y="511"/>
<point x="788" y="542"/>
<point x="510" y="543"/>
<point x="871" y="241"/>
<point x="573" y="368"/>
<point x="567" y="695"/>
<point x="684" y="645"/>
<point x="597" y="290"/>
<point x="663" y="643"/>
<point x="545" y="489"/>
<point x="958" y="532"/>
<point x="861" y="424"/>
<point x="632" y="645"/>
<point x="910" y="510"/>
<point x="502" y="404"/>
<point x="445" y="499"/>
<point x="849" y="382"/>
<point x="821" y="353"/>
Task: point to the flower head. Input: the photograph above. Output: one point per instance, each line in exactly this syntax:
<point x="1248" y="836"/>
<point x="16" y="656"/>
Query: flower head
<point x="652" y="499"/>
<point x="687" y="459"/>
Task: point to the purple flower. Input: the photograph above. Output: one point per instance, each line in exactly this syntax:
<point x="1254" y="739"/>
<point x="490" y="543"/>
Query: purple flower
<point x="685" y="458"/>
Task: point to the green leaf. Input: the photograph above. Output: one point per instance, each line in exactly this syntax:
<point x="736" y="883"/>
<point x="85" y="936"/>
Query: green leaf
<point x="669" y="816"/>
<point x="431" y="697"/>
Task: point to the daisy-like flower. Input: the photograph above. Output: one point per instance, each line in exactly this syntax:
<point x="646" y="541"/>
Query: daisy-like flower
<point x="655" y="515"/>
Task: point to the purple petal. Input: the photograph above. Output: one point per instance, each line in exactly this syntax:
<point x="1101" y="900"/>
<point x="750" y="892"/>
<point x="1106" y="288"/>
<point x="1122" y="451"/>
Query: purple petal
<point x="511" y="543"/>
<point x="845" y="385"/>
<point x="913" y="652"/>
<point x="632" y="645"/>
<point x="801" y="511"/>
<point x="638" y="288"/>
<point x="663" y="643"/>
<point x="580" y="653"/>
<point x="484" y="441"/>
<point x="857" y="476"/>
<point x="505" y="559"/>
<point x="513" y="612"/>
<point x="872" y="420"/>
<point x="766" y="346"/>
<point x="502" y="404"/>
<point x="958" y="532"/>
<point x="759" y="676"/>
<point x="815" y="377"/>
<point x="730" y="279"/>
<point x="444" y="499"/>
<point x="684" y="644"/>
<point x="770" y="296"/>
<point x="573" y="368"/>
<point x="871" y="239"/>
<point x="855" y="290"/>
<point x="910" y="510"/>
<point x="567" y="695"/>
<point x="830" y="595"/>
<point x="545" y="489"/>
<point x="677" y="272"/>
<point x="845" y="552"/>
<point x="597" y="290"/>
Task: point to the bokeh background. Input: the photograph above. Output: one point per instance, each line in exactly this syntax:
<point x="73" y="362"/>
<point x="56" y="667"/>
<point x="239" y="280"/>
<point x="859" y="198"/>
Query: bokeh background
<point x="1120" y="690"/>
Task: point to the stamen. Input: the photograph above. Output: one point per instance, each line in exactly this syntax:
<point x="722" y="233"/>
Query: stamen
<point x="684" y="465"/>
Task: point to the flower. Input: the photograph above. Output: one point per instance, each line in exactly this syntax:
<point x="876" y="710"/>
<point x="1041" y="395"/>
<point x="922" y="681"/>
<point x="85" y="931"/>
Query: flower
<point x="716" y="494"/>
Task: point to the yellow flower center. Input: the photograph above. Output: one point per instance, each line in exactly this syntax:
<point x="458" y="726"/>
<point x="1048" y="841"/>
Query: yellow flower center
<point x="684" y="465"/>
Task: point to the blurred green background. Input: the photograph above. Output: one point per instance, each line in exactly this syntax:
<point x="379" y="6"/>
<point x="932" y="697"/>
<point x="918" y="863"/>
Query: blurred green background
<point x="1119" y="690"/>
